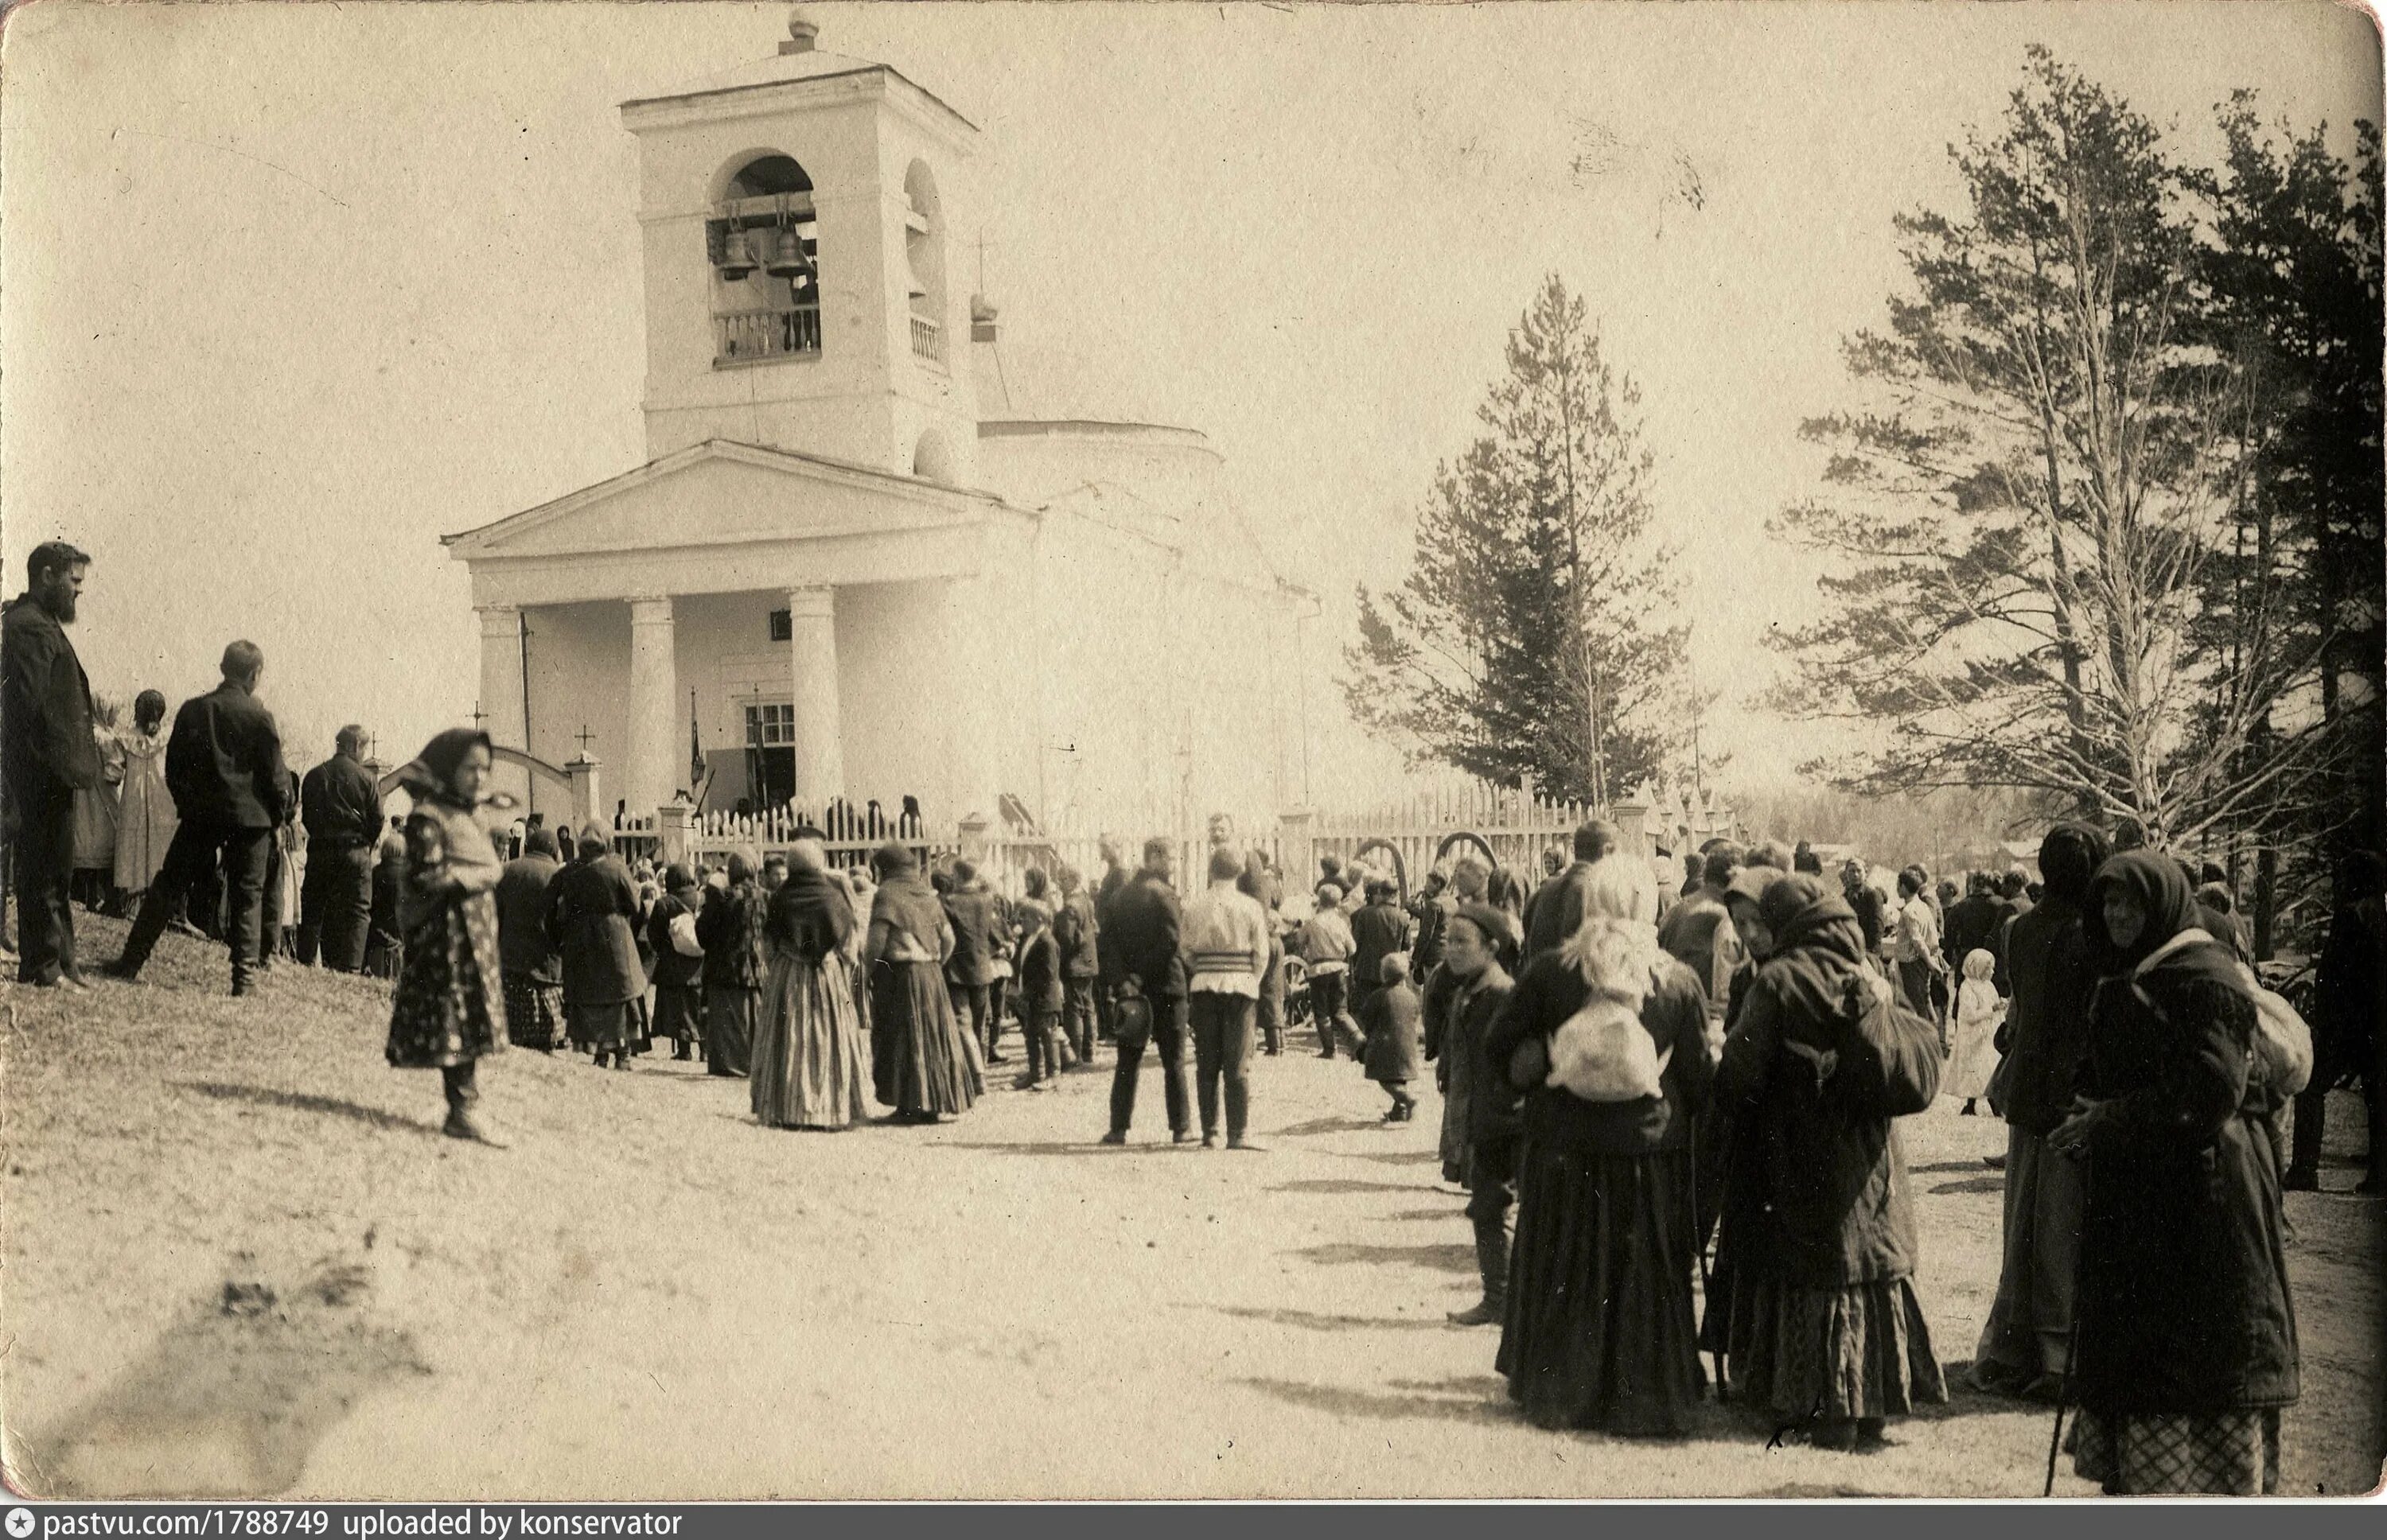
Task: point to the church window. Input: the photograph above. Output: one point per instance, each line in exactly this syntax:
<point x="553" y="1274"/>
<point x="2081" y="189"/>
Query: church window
<point x="764" y="244"/>
<point x="770" y="725"/>
<point x="924" y="253"/>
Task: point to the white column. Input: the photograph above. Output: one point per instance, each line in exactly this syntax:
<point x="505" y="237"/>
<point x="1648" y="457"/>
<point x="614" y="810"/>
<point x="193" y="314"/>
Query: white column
<point x="971" y="776"/>
<point x="501" y="692"/>
<point x="819" y="723"/>
<point x="648" y="776"/>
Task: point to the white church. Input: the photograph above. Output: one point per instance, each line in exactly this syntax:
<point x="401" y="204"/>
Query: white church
<point x="847" y="568"/>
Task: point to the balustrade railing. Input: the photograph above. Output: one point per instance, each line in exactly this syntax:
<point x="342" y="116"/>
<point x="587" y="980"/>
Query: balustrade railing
<point x="927" y="339"/>
<point x="745" y="336"/>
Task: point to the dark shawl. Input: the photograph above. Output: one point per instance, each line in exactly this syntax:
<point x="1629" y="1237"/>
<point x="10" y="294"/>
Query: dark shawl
<point x="811" y="914"/>
<point x="2184" y="1304"/>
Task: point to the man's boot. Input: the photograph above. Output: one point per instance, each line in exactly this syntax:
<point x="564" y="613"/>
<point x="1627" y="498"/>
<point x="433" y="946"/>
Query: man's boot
<point x="1492" y="1261"/>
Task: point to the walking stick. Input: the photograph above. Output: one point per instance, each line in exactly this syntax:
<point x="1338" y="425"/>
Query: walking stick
<point x="2071" y="1353"/>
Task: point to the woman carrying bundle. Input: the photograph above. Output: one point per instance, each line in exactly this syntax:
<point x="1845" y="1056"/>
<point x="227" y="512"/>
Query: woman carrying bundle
<point x="1607" y="1037"/>
<point x="1825" y="1332"/>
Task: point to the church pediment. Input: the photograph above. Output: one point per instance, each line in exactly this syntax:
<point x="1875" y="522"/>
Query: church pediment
<point x="723" y="494"/>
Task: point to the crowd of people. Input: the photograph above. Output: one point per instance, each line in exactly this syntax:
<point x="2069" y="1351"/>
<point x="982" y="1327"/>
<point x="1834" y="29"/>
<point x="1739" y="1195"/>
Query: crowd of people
<point x="1673" y="1108"/>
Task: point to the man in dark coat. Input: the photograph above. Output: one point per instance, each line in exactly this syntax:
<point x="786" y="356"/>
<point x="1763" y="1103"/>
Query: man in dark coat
<point x="1379" y="930"/>
<point x="969" y="972"/>
<point x="1864" y="902"/>
<point x="1699" y="933"/>
<point x="2046" y="972"/>
<point x="1555" y="912"/>
<point x="223" y="765"/>
<point x="2346" y="1036"/>
<point x="340" y="805"/>
<point x="1140" y="939"/>
<point x="1078" y="935"/>
<point x="1973" y="921"/>
<point x="49" y="755"/>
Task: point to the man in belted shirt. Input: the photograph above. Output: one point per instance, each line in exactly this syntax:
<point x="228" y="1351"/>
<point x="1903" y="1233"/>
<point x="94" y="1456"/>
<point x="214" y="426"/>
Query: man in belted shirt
<point x="223" y="765"/>
<point x="340" y="805"/>
<point x="1224" y="937"/>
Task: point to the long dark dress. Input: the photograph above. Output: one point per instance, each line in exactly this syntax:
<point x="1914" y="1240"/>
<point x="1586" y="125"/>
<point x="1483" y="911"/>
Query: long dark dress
<point x="450" y="1007"/>
<point x="809" y="1055"/>
<point x="1600" y="1331"/>
<point x="1821" y="1321"/>
<point x="591" y="907"/>
<point x="737" y="965"/>
<point x="2187" y="1334"/>
<point x="924" y="1064"/>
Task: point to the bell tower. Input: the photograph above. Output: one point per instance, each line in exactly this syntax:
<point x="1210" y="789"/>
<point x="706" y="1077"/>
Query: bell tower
<point x="803" y="217"/>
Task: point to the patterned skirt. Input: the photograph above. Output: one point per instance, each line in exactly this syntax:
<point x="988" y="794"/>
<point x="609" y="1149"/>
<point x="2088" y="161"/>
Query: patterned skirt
<point x="1833" y="1355"/>
<point x="923" y="1061"/>
<point x="449" y="1006"/>
<point x="2229" y="1454"/>
<point x="809" y="1067"/>
<point x="1600" y="1331"/>
<point x="533" y="1013"/>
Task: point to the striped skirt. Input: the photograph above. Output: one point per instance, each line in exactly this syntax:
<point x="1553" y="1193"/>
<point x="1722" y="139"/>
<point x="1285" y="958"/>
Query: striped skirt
<point x="808" y="1067"/>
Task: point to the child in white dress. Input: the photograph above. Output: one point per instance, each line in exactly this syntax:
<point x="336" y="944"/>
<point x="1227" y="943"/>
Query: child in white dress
<point x="1978" y="1012"/>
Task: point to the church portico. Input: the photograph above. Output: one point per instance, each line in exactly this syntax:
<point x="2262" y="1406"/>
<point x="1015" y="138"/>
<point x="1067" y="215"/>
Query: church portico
<point x="837" y="576"/>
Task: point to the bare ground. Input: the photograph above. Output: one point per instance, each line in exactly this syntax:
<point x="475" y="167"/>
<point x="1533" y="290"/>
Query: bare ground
<point x="240" y="1260"/>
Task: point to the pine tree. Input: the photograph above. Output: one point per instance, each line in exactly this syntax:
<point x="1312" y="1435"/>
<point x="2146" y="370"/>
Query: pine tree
<point x="1531" y="635"/>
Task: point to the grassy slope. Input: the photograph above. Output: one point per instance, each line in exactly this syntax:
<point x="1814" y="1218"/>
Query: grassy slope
<point x="649" y="1296"/>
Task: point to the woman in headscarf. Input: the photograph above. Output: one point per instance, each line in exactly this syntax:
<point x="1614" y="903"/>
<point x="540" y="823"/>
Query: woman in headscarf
<point x="96" y="810"/>
<point x="737" y="966"/>
<point x="2187" y="1337"/>
<point x="2028" y="1339"/>
<point x="809" y="1060"/>
<point x="145" y="818"/>
<point x="1823" y="1328"/>
<point x="592" y="912"/>
<point x="449" y="1012"/>
<point x="1599" y="1331"/>
<point x="925" y="1064"/>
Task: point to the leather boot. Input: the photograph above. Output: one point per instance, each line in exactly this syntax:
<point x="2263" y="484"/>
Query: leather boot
<point x="1492" y="1261"/>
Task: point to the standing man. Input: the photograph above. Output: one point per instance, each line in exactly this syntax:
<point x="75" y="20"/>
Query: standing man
<point x="49" y="755"/>
<point x="1863" y="898"/>
<point x="1141" y="934"/>
<point x="1378" y="930"/>
<point x="340" y="805"/>
<point x="1079" y="937"/>
<point x="223" y="765"/>
<point x="970" y="970"/>
<point x="1555" y="912"/>
<point x="1699" y="933"/>
<point x="1225" y="942"/>
<point x="1914" y="947"/>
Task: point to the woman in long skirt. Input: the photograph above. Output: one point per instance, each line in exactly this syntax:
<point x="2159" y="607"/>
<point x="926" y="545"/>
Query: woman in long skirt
<point x="591" y="909"/>
<point x="145" y="819"/>
<point x="449" y="1012"/>
<point x="737" y="966"/>
<point x="925" y="1066"/>
<point x="1599" y="1330"/>
<point x="1826" y="1334"/>
<point x="809" y="1058"/>
<point x="2187" y="1330"/>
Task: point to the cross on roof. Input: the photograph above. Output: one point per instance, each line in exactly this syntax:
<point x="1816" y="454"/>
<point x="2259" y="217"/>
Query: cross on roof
<point x="583" y="735"/>
<point x="478" y="717"/>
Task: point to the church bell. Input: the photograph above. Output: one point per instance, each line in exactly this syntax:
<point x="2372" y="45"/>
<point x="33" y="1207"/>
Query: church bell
<point x="736" y="256"/>
<point x="787" y="255"/>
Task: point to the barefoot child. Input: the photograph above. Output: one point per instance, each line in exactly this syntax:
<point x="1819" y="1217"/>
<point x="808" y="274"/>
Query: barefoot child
<point x="1391" y="1019"/>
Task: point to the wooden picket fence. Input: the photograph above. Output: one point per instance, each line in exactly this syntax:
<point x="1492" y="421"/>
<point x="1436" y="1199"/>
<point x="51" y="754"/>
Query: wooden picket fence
<point x="1445" y="817"/>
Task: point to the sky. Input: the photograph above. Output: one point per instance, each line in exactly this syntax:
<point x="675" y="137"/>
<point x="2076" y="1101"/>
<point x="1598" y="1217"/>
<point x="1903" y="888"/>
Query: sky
<point x="293" y="289"/>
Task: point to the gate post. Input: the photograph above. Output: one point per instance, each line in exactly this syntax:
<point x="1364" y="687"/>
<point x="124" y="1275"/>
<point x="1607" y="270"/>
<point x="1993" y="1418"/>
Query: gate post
<point x="672" y="822"/>
<point x="585" y="800"/>
<point x="1298" y="854"/>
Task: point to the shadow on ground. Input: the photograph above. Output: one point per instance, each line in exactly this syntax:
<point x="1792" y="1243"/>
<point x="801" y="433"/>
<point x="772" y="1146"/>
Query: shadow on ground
<point x="1343" y="1185"/>
<point x="298" y="1101"/>
<point x="229" y="1400"/>
<point x="1458" y="1259"/>
<point x="1991" y="1183"/>
<point x="1089" y="1147"/>
<point x="1328" y="1125"/>
<point x="1467" y="1398"/>
<point x="1313" y="1321"/>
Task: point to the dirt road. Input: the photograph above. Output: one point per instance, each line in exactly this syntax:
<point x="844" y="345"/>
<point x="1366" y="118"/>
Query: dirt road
<point x="241" y="1259"/>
